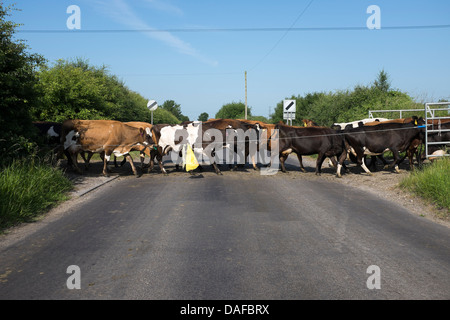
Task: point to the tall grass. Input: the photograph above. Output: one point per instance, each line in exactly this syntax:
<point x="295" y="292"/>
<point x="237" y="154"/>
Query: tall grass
<point x="27" y="188"/>
<point x="432" y="182"/>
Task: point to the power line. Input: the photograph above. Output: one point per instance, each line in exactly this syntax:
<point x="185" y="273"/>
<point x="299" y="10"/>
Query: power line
<point x="264" y="29"/>
<point x="284" y="35"/>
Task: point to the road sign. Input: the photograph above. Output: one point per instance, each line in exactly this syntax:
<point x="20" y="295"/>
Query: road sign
<point x="289" y="108"/>
<point x="289" y="105"/>
<point x="152" y="105"/>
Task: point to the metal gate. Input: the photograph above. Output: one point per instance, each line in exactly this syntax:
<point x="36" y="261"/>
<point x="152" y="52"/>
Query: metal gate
<point x="435" y="114"/>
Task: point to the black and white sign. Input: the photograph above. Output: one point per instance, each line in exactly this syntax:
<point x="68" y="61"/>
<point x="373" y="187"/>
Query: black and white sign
<point x="289" y="108"/>
<point x="152" y="105"/>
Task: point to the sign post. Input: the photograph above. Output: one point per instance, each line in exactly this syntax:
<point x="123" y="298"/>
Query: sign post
<point x="289" y="109"/>
<point x="152" y="106"/>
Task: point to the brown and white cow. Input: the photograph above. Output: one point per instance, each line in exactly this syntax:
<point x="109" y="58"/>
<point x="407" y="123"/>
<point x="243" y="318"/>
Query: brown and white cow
<point x="107" y="137"/>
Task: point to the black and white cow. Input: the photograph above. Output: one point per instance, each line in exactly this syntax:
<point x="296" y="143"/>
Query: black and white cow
<point x="375" y="140"/>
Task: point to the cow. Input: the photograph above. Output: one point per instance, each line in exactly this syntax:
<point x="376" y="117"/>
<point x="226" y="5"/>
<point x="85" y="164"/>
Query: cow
<point x="323" y="141"/>
<point x="375" y="140"/>
<point x="50" y="130"/>
<point x="399" y="120"/>
<point x="243" y="136"/>
<point x="150" y="152"/>
<point x="309" y="123"/>
<point x="265" y="134"/>
<point x="201" y="137"/>
<point x="356" y="123"/>
<point x="412" y="147"/>
<point x="164" y="136"/>
<point x="106" y="137"/>
<point x="51" y="133"/>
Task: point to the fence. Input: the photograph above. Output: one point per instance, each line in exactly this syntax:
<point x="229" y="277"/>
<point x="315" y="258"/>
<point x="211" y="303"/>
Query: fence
<point x="434" y="119"/>
<point x="434" y="113"/>
<point x="371" y="112"/>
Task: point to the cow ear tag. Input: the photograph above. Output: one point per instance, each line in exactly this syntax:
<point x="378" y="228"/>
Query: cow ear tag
<point x="415" y="122"/>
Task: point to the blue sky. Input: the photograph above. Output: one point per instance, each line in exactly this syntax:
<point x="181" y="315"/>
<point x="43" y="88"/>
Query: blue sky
<point x="204" y="70"/>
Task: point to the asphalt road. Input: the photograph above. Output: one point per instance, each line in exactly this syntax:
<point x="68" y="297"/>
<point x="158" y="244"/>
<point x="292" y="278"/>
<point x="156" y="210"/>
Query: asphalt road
<point x="236" y="236"/>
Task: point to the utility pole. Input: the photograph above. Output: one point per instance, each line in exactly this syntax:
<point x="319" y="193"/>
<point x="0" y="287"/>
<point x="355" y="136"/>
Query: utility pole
<point x="245" y="95"/>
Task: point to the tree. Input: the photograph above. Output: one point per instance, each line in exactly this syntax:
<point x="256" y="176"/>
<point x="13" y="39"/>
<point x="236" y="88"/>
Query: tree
<point x="325" y="108"/>
<point x="382" y="82"/>
<point x="18" y="70"/>
<point x="175" y="109"/>
<point x="203" y="116"/>
<point x="77" y="90"/>
<point x="233" y="110"/>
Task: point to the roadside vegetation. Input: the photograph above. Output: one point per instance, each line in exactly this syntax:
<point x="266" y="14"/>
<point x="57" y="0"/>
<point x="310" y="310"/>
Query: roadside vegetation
<point x="29" y="187"/>
<point x="432" y="182"/>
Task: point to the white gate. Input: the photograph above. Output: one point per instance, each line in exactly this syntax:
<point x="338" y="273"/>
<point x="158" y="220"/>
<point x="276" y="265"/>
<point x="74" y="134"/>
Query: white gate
<point x="435" y="113"/>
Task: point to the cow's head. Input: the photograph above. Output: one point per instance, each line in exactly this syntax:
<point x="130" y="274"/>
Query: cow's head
<point x="417" y="121"/>
<point x="146" y="135"/>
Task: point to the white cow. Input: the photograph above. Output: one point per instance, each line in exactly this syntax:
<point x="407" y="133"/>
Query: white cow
<point x="355" y="124"/>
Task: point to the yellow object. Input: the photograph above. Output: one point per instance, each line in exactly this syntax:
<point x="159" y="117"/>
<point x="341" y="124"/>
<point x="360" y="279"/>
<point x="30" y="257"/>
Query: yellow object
<point x="191" y="161"/>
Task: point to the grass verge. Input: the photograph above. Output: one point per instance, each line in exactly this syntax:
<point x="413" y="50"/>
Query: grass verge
<point x="431" y="182"/>
<point x="28" y="188"/>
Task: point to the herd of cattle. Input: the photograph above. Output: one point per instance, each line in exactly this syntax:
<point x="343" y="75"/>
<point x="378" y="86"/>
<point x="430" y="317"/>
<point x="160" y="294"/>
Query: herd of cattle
<point x="246" y="140"/>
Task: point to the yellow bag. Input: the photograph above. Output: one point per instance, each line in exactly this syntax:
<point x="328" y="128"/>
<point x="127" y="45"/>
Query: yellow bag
<point x="191" y="161"/>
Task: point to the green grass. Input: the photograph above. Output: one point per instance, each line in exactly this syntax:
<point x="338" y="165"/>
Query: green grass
<point x="431" y="182"/>
<point x="27" y="189"/>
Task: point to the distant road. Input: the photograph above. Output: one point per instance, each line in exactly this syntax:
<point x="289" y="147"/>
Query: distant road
<point x="236" y="236"/>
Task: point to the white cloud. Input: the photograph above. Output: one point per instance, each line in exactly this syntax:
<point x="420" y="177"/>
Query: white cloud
<point x="121" y="12"/>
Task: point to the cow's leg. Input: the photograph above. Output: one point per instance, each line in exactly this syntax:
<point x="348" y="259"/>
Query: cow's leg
<point x="363" y="165"/>
<point x="332" y="162"/>
<point x="340" y="163"/>
<point x="216" y="168"/>
<point x="282" y="160"/>
<point x="88" y="159"/>
<point x="121" y="163"/>
<point x="160" y="163"/>
<point x="83" y="156"/>
<point x="106" y="156"/>
<point x="396" y="160"/>
<point x="163" y="170"/>
<point x="320" y="159"/>
<point x="142" y="157"/>
<point x="74" y="159"/>
<point x="373" y="163"/>
<point x="299" y="157"/>
<point x="130" y="160"/>
<point x="255" y="167"/>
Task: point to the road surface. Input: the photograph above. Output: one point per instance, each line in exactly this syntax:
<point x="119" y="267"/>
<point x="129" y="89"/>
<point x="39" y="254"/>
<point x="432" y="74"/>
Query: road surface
<point x="238" y="236"/>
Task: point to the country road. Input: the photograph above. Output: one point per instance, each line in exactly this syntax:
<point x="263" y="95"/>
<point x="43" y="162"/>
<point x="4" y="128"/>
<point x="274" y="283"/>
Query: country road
<point x="236" y="236"/>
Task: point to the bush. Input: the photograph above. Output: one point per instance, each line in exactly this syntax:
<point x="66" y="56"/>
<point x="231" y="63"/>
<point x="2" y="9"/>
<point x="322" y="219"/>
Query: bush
<point x="14" y="147"/>
<point x="27" y="188"/>
<point x="432" y="182"/>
